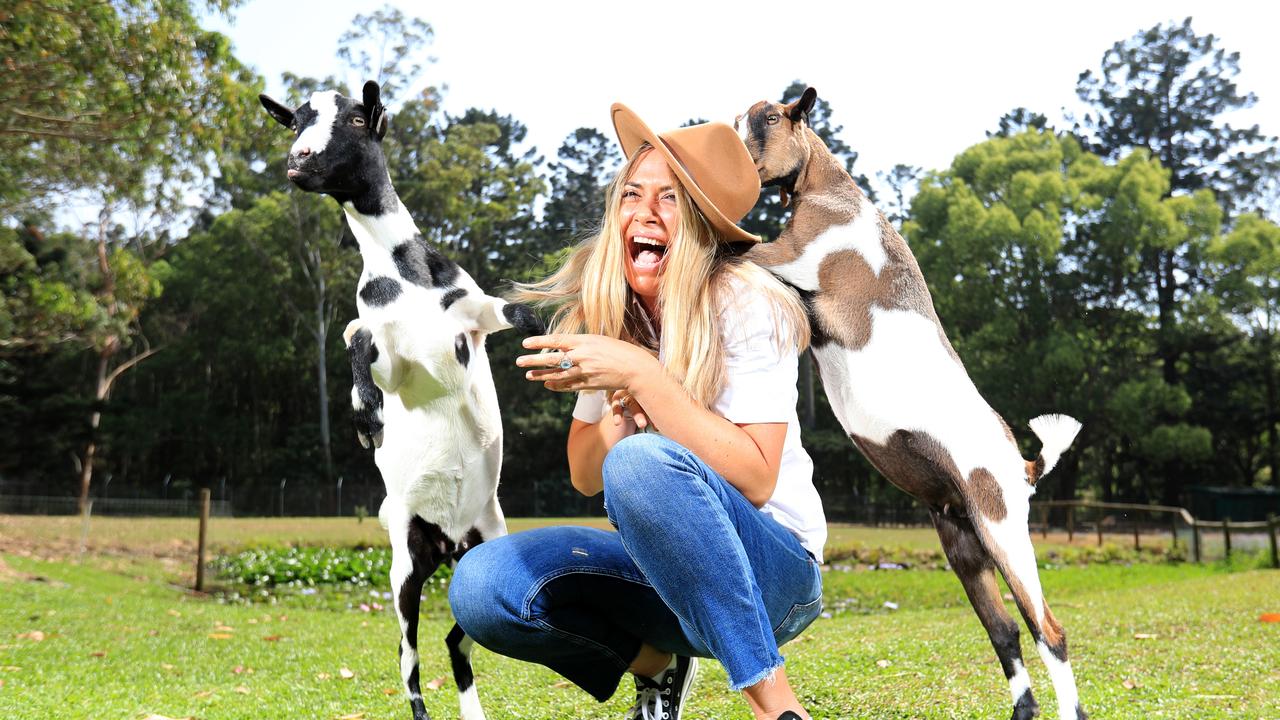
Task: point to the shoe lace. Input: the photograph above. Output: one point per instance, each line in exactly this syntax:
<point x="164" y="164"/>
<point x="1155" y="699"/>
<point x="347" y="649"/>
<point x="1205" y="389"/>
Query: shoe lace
<point x="649" y="700"/>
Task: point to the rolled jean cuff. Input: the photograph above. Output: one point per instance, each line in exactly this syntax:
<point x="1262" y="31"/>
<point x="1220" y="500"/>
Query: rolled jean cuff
<point x="767" y="674"/>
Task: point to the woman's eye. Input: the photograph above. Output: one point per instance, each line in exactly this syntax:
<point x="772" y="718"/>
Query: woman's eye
<point x="772" y="119"/>
<point x="630" y="194"/>
<point x="357" y="121"/>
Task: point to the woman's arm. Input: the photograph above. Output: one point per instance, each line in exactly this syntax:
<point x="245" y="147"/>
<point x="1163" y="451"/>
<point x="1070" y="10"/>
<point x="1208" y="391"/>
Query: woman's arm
<point x="747" y="456"/>
<point x="588" y="444"/>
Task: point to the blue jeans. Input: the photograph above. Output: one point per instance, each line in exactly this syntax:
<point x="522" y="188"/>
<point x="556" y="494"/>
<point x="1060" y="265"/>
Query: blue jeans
<point x="694" y="569"/>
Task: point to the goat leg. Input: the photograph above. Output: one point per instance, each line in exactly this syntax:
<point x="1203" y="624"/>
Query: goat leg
<point x="415" y="555"/>
<point x="974" y="566"/>
<point x="1009" y="543"/>
<point x="366" y="398"/>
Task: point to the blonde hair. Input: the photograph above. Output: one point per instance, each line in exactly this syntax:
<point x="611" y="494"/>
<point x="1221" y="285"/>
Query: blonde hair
<point x="590" y="293"/>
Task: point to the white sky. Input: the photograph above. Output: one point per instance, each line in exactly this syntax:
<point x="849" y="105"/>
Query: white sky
<point x="911" y="82"/>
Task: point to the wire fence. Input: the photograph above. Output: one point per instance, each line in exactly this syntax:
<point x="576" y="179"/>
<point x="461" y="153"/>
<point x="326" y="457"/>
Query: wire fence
<point x="1151" y="524"/>
<point x="121" y="507"/>
<point x="1143" y="525"/>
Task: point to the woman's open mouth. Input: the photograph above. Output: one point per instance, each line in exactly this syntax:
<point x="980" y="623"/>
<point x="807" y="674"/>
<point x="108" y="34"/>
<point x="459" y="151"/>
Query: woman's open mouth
<point x="647" y="253"/>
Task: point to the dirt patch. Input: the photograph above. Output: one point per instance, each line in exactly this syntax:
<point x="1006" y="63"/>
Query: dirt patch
<point x="45" y="548"/>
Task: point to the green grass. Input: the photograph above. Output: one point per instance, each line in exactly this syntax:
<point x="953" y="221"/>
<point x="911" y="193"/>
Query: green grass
<point x="120" y="642"/>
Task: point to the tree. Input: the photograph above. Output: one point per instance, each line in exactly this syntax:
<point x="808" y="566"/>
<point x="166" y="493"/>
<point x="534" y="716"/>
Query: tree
<point x="1249" y="267"/>
<point x="126" y="104"/>
<point x="1165" y="89"/>
<point x="587" y="161"/>
<point x="129" y="98"/>
<point x="466" y="187"/>
<point x="314" y="234"/>
<point x="46" y="298"/>
<point x="386" y="46"/>
<point x="1031" y="247"/>
<point x="901" y="180"/>
<point x="1017" y="120"/>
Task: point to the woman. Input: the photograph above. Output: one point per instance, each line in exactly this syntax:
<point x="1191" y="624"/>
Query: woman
<point x="720" y="530"/>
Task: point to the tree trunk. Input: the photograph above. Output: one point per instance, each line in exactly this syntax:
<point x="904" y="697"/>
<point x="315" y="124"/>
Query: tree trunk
<point x="1166" y="296"/>
<point x="322" y="378"/>
<point x="91" y="448"/>
<point x="109" y="348"/>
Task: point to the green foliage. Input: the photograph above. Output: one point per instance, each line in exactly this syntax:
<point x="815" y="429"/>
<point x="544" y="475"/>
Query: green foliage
<point x="387" y="47"/>
<point x="306" y="567"/>
<point x="1105" y="274"/>
<point x="44" y="302"/>
<point x="587" y="161"/>
<point x="1165" y="90"/>
<point x="1031" y="243"/>
<point x="129" y="98"/>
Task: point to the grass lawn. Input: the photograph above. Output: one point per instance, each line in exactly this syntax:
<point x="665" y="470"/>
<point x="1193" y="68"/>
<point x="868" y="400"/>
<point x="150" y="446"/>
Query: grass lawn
<point x="112" y="636"/>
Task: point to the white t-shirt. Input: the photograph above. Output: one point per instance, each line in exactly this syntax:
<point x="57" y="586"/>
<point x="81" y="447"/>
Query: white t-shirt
<point x="760" y="387"/>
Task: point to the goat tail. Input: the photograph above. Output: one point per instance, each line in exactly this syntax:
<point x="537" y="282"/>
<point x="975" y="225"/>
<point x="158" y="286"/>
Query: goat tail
<point x="1056" y="432"/>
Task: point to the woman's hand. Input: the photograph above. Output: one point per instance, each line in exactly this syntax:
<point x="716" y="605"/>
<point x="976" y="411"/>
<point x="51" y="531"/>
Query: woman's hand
<point x="626" y="409"/>
<point x="597" y="363"/>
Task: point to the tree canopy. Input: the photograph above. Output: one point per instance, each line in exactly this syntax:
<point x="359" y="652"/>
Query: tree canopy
<point x="1124" y="269"/>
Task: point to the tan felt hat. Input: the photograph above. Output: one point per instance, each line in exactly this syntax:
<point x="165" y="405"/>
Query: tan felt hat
<point x="712" y="163"/>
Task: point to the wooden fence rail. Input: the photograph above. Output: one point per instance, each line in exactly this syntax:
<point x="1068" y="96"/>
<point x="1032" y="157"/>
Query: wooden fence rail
<point x="1271" y="525"/>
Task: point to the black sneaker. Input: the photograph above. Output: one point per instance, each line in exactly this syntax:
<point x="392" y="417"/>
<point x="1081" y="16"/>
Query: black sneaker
<point x="661" y="699"/>
<point x="788" y="715"/>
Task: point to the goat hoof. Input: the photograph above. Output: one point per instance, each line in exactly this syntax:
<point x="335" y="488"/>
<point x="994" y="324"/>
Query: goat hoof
<point x="1026" y="708"/>
<point x="353" y="327"/>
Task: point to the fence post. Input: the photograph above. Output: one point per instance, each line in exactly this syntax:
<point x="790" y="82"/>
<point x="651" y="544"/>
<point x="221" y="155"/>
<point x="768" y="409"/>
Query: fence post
<point x="1173" y="525"/>
<point x="1099" y="524"/>
<point x="1195" y="539"/>
<point x="1273" y="523"/>
<point x="204" y="528"/>
<point x="1137" y="545"/>
<point x="1226" y="537"/>
<point x="1071" y="523"/>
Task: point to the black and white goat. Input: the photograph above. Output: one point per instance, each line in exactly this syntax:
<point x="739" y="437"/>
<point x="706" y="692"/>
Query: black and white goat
<point x="423" y="393"/>
<point x="901" y="392"/>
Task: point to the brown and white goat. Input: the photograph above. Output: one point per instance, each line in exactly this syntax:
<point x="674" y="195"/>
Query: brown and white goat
<point x="901" y="392"/>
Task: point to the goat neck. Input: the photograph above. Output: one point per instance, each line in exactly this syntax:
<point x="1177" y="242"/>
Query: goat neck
<point x="379" y="220"/>
<point x="823" y="181"/>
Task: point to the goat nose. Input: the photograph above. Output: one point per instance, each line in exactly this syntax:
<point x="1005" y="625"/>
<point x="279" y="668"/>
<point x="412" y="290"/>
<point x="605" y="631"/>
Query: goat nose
<point x="304" y="151"/>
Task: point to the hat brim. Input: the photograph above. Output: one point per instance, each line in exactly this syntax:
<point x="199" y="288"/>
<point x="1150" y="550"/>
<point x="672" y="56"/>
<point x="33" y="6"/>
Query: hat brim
<point x="632" y="132"/>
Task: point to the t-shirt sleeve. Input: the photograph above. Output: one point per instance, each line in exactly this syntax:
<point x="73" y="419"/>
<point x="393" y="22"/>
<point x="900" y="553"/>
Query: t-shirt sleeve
<point x="760" y="383"/>
<point x="590" y="406"/>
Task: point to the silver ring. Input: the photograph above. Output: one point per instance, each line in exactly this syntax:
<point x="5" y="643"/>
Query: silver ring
<point x="622" y="402"/>
<point x="565" y="362"/>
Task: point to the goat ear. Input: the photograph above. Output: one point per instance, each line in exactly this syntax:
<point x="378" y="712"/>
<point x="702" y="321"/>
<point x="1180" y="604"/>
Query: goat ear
<point x="282" y="114"/>
<point x="373" y="106"/>
<point x="801" y="108"/>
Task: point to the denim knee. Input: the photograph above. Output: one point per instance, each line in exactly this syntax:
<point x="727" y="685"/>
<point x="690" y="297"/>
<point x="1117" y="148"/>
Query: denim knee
<point x="476" y="596"/>
<point x="637" y="470"/>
